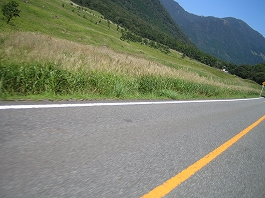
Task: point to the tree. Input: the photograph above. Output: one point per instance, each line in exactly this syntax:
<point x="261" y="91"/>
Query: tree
<point x="10" y="10"/>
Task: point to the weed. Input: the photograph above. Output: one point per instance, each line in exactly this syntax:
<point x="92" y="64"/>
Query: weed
<point x="51" y="79"/>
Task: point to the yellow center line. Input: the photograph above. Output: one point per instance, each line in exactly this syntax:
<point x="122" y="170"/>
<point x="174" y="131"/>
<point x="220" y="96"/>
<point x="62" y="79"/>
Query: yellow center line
<point x="169" y="185"/>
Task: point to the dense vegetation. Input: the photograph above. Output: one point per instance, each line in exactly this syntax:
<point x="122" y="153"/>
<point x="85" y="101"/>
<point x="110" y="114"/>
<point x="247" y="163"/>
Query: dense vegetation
<point x="255" y="73"/>
<point x="146" y="18"/>
<point x="49" y="79"/>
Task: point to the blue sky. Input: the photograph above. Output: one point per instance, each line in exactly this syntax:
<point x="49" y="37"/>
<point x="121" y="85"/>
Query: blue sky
<point x="250" y="11"/>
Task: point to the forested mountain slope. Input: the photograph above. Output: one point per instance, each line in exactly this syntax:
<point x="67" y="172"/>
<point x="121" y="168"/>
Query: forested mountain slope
<point x="146" y="18"/>
<point x="228" y="38"/>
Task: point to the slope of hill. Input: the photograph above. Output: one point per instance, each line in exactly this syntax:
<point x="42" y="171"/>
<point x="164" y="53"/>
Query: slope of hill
<point x="57" y="49"/>
<point x="228" y="38"/>
<point x="147" y="18"/>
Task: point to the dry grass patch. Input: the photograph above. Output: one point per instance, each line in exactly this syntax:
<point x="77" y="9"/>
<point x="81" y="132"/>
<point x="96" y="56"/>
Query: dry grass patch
<point x="33" y="47"/>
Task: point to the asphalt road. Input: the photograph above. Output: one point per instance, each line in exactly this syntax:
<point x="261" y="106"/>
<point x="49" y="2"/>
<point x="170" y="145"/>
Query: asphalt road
<point x="128" y="150"/>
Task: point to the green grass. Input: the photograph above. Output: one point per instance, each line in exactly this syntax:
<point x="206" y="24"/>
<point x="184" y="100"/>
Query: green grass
<point x="50" y="80"/>
<point x="59" y="52"/>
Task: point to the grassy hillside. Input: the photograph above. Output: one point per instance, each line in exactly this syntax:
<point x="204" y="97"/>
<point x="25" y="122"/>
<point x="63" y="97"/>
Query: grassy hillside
<point x="147" y="18"/>
<point x="59" y="50"/>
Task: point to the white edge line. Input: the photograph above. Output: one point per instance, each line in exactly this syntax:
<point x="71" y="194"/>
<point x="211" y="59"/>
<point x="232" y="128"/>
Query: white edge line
<point x="41" y="106"/>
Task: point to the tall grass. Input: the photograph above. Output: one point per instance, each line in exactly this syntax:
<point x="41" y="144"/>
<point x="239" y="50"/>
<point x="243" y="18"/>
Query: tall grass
<point x="34" y="47"/>
<point x="50" y="79"/>
<point x="35" y="79"/>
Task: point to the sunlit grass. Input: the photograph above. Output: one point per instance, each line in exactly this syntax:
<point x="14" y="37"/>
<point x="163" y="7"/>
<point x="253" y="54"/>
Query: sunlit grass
<point x="51" y="80"/>
<point x="57" y="40"/>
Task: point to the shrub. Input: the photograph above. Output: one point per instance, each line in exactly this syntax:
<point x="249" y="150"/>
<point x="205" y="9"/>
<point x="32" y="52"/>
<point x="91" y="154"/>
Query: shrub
<point x="10" y="10"/>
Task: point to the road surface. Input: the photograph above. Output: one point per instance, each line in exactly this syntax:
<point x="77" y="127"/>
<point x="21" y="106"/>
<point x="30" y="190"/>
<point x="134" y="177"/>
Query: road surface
<point x="70" y="149"/>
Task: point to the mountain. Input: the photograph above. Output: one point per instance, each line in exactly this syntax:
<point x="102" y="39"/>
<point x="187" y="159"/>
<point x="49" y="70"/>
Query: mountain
<point x="149" y="19"/>
<point x="146" y="18"/>
<point x="228" y="38"/>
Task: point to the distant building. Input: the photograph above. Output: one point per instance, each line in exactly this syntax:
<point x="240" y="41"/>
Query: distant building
<point x="224" y="70"/>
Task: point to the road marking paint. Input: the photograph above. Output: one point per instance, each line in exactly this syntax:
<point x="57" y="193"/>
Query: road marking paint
<point x="172" y="183"/>
<point x="5" y="107"/>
